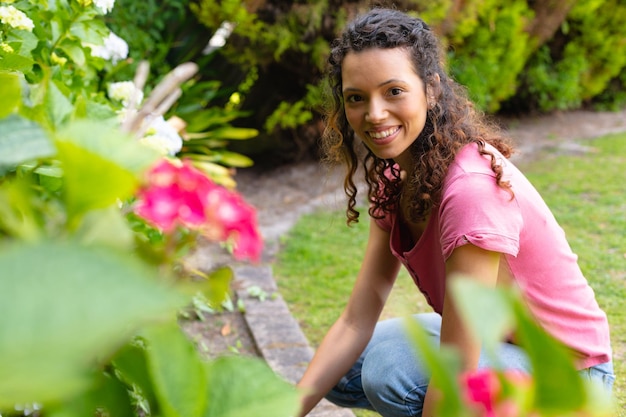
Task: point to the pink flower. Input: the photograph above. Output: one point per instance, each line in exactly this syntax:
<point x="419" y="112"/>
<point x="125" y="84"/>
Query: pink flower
<point x="178" y="194"/>
<point x="482" y="388"/>
<point x="501" y="395"/>
<point x="249" y="243"/>
<point x="230" y="217"/>
<point x="172" y="196"/>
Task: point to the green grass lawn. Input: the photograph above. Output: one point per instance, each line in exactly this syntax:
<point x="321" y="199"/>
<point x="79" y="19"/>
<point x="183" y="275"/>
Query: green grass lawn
<point x="321" y="255"/>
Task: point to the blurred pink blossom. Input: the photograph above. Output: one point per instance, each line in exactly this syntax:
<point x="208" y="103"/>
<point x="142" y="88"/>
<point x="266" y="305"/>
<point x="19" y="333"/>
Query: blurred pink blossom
<point x="178" y="194"/>
<point x="483" y="388"/>
<point x="234" y="218"/>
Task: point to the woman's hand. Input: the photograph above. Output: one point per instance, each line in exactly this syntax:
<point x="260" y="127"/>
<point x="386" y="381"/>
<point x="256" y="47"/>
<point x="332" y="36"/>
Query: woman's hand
<point x="347" y="338"/>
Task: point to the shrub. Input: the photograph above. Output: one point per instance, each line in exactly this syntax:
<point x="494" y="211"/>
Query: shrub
<point x="581" y="62"/>
<point x="489" y="59"/>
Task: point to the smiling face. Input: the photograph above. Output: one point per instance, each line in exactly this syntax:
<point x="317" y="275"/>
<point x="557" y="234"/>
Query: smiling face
<point x="385" y="101"/>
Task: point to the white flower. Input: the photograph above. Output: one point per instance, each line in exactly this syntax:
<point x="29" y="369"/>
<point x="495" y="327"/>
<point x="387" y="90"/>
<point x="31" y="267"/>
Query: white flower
<point x="9" y="15"/>
<point x="123" y="91"/>
<point x="163" y="137"/>
<point x="114" y="49"/>
<point x="27" y="409"/>
<point x="105" y="5"/>
<point x="6" y="48"/>
<point x="59" y="60"/>
<point x="219" y="38"/>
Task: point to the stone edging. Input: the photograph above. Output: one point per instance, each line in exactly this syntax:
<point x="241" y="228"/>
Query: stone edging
<point x="276" y="333"/>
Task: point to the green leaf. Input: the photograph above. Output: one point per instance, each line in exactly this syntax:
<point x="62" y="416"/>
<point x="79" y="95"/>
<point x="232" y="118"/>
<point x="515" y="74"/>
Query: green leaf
<point x="112" y="396"/>
<point x="17" y="217"/>
<point x="22" y="42"/>
<point x="219" y="285"/>
<point x="93" y="110"/>
<point x="10" y="91"/>
<point x="209" y="118"/>
<point x="233" y="159"/>
<point x="444" y="366"/>
<point x="22" y="140"/>
<point x="237" y="133"/>
<point x="215" y="288"/>
<point x="74" y="50"/>
<point x="106" y="227"/>
<point x="92" y="31"/>
<point x="558" y="386"/>
<point x="224" y="158"/>
<point x="106" y="395"/>
<point x="100" y="164"/>
<point x="177" y="372"/>
<point x="223" y="133"/>
<point x="92" y="182"/>
<point x="105" y="139"/>
<point x="13" y="62"/>
<point x="132" y="363"/>
<point x="243" y="387"/>
<point x="65" y="307"/>
<point x="57" y="106"/>
<point x="488" y="311"/>
<point x="50" y="175"/>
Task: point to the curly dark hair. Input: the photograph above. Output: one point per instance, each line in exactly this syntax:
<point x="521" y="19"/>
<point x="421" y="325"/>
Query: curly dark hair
<point x="452" y="122"/>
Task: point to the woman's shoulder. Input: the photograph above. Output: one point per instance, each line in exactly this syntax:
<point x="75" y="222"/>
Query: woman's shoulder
<point x="470" y="160"/>
<point x="473" y="167"/>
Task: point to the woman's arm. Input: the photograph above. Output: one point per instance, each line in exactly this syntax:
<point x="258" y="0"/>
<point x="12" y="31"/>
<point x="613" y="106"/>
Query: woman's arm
<point x="347" y="338"/>
<point x="481" y="265"/>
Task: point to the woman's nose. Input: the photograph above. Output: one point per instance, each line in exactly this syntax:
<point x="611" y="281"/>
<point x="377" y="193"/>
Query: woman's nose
<point x="376" y="112"/>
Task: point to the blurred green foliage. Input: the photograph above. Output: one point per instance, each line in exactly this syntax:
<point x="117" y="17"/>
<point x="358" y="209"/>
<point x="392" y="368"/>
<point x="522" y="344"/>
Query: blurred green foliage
<point x="91" y="292"/>
<point x="579" y="64"/>
<point x="489" y="57"/>
<point x="69" y="260"/>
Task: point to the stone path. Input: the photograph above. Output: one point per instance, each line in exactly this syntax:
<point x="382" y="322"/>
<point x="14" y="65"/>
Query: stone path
<point x="283" y="195"/>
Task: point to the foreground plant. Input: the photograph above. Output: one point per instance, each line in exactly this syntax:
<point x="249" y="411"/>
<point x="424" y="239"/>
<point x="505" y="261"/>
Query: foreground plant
<point x="93" y="318"/>
<point x="92" y="289"/>
<point x="554" y="389"/>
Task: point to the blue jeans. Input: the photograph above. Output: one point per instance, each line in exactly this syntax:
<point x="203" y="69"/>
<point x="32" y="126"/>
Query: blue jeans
<point x="391" y="379"/>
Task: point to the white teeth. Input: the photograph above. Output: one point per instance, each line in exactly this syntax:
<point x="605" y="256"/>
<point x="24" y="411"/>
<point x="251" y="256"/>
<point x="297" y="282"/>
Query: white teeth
<point x="384" y="133"/>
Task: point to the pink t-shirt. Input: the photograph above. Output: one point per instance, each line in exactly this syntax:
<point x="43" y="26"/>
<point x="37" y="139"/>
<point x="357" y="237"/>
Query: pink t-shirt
<point x="474" y="209"/>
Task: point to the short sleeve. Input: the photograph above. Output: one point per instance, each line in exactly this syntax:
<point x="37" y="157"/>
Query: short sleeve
<point x="474" y="209"/>
<point x="385" y="222"/>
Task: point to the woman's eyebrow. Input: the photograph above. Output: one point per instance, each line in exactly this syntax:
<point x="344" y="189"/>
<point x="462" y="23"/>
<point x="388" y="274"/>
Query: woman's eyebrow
<point x="390" y="81"/>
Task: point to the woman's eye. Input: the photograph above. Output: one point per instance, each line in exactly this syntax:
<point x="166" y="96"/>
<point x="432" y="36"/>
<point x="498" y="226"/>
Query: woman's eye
<point x="395" y="91"/>
<point x="354" y="98"/>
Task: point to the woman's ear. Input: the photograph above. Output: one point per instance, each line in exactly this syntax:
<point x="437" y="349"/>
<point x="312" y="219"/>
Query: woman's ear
<point x="432" y="90"/>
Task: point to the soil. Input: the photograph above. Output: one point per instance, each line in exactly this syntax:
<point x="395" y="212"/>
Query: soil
<point x="282" y="194"/>
<point x="222" y="333"/>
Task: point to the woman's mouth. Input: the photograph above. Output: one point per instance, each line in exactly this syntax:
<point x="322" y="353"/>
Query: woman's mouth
<point x="383" y="136"/>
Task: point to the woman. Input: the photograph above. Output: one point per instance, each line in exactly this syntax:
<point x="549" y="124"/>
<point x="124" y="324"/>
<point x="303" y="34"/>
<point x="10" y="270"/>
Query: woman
<point x="444" y="200"/>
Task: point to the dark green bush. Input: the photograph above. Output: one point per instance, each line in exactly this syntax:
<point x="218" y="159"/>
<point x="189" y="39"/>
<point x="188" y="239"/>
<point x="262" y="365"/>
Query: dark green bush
<point x="284" y="45"/>
<point x="614" y="97"/>
<point x="489" y="58"/>
<point x="580" y="62"/>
